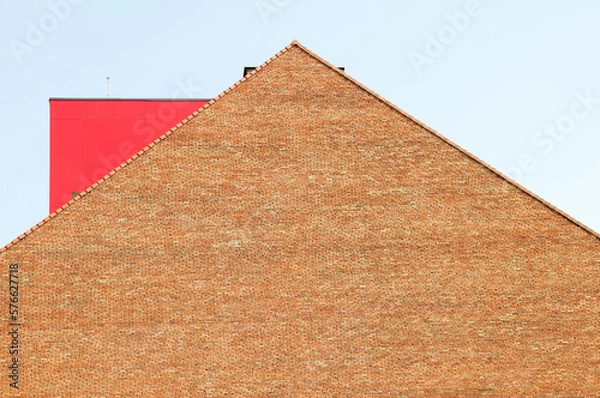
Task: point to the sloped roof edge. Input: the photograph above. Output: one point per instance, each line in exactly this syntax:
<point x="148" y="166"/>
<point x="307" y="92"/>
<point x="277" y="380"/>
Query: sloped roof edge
<point x="446" y="140"/>
<point x="295" y="43"/>
<point x="143" y="151"/>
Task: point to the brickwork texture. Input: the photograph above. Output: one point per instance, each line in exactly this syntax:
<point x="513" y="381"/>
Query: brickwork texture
<point x="301" y="237"/>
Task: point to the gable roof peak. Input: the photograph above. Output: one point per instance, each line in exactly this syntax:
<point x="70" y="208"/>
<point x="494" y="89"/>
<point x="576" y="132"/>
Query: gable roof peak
<point x="297" y="44"/>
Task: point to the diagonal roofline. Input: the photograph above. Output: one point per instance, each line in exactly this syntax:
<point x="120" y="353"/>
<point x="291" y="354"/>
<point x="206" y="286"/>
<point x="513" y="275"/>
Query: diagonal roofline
<point x="144" y="150"/>
<point x="454" y="145"/>
<point x="297" y="44"/>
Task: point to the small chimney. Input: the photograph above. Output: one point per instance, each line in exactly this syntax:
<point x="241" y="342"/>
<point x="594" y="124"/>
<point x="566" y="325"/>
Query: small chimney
<point x="248" y="69"/>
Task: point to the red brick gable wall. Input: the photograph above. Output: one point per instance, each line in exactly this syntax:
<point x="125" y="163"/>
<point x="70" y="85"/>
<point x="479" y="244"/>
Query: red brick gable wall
<point x="300" y="237"/>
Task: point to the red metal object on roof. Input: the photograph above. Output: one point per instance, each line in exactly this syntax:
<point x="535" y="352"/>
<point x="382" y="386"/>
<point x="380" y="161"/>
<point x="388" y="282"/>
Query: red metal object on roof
<point x="90" y="138"/>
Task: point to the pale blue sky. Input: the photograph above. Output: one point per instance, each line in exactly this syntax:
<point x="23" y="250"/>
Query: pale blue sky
<point x="516" y="84"/>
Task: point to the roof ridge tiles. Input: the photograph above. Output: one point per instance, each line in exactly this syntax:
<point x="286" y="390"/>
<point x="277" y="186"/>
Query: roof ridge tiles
<point x="144" y="150"/>
<point x="446" y="140"/>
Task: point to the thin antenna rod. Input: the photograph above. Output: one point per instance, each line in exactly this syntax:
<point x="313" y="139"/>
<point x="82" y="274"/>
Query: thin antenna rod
<point x="107" y="87"/>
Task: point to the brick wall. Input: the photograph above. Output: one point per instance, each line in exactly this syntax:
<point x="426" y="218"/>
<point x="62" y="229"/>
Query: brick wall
<point x="301" y="237"/>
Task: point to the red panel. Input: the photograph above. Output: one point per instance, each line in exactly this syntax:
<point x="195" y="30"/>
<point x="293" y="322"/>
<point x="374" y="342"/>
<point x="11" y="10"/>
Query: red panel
<point x="161" y="117"/>
<point x="65" y="109"/>
<point x="96" y="170"/>
<point x="89" y="138"/>
<point x="98" y="138"/>
<point x="65" y="178"/>
<point x="129" y="109"/>
<point x="127" y="142"/>
<point x="98" y="110"/>
<point x="66" y="142"/>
